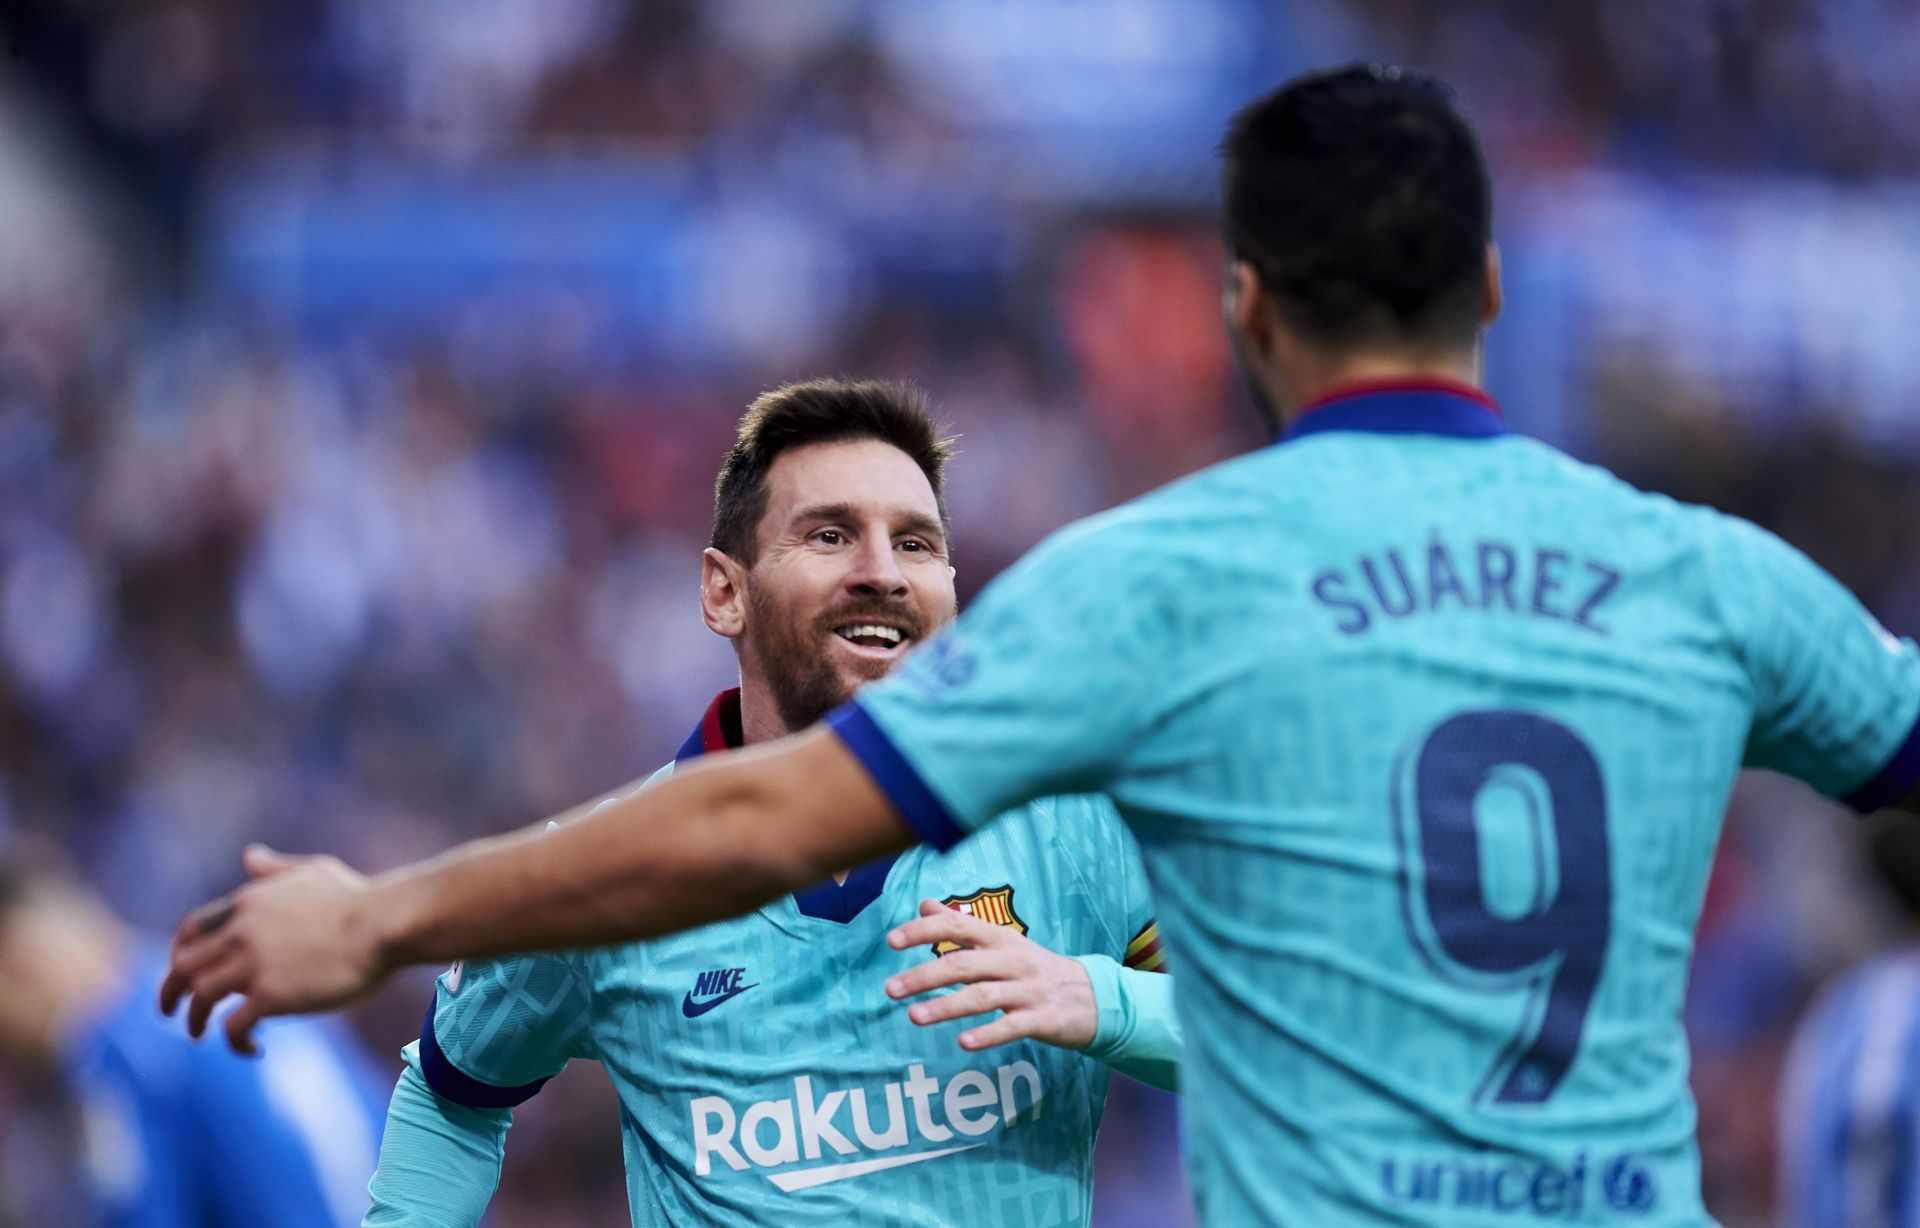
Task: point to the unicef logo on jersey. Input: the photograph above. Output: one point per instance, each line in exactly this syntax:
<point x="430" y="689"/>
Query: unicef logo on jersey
<point x="1522" y="1187"/>
<point x="1629" y="1186"/>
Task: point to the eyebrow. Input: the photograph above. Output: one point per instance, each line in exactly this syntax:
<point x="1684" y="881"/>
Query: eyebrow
<point x="904" y="522"/>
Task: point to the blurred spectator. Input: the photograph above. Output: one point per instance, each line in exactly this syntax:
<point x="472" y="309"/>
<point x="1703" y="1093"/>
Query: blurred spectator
<point x="176" y="1135"/>
<point x="1849" y="1115"/>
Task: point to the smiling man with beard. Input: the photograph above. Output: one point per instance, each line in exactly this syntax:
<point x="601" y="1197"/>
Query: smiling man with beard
<point x="764" y="1074"/>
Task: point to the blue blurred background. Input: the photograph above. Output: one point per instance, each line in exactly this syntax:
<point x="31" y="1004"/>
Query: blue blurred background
<point x="365" y="364"/>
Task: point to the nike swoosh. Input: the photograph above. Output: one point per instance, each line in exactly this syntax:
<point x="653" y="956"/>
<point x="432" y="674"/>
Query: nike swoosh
<point x="693" y="1010"/>
<point x="811" y="1177"/>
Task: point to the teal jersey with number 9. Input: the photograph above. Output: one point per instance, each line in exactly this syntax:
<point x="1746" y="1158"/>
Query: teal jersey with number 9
<point x="1427" y="732"/>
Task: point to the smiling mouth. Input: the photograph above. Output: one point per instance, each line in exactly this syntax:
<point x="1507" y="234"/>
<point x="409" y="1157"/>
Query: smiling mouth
<point x="875" y="636"/>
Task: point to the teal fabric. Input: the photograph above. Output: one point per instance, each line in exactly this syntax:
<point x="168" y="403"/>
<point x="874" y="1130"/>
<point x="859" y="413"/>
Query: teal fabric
<point x="1427" y="741"/>
<point x="1139" y="1029"/>
<point x="764" y="1075"/>
<point x="439" y="1162"/>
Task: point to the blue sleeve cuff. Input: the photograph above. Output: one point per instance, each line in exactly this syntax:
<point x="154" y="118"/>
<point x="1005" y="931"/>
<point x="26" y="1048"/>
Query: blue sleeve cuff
<point x="1895" y="782"/>
<point x="922" y="810"/>
<point x="450" y="1083"/>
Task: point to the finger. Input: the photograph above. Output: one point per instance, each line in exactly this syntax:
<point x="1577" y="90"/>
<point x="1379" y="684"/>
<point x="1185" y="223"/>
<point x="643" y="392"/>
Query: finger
<point x="240" y="1027"/>
<point x="973" y="1000"/>
<point x="209" y="988"/>
<point x="1016" y="1025"/>
<point x="208" y="918"/>
<point x="961" y="967"/>
<point x="933" y="908"/>
<point x="188" y="961"/>
<point x="949" y="926"/>
<point x="263" y="862"/>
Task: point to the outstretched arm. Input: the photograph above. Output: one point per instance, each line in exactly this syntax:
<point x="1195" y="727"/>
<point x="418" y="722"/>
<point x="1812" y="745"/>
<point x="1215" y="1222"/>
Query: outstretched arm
<point x="710" y="842"/>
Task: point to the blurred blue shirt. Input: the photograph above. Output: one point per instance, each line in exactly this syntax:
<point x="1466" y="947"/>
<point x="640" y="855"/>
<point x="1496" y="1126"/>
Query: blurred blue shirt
<point x="1850" y="1103"/>
<point x="185" y="1135"/>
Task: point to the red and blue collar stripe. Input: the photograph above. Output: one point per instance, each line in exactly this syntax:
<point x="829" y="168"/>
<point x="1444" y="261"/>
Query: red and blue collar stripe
<point x="1401" y="407"/>
<point x="720" y="730"/>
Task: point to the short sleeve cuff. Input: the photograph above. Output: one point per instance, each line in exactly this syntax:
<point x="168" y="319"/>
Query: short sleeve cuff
<point x="1894" y="783"/>
<point x="918" y="805"/>
<point x="451" y="1083"/>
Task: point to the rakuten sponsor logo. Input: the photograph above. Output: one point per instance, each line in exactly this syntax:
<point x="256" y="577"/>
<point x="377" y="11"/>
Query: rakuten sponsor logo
<point x="776" y="1133"/>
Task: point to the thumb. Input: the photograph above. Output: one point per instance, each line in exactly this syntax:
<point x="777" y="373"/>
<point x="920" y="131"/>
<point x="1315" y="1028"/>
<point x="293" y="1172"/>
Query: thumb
<point x="263" y="862"/>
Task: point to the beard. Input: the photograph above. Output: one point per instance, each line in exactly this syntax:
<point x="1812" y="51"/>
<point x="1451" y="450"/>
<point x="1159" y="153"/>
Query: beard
<point x="802" y="679"/>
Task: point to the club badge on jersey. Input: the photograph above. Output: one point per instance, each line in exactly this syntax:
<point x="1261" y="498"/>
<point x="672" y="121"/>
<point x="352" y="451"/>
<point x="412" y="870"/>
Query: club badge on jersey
<point x="991" y="904"/>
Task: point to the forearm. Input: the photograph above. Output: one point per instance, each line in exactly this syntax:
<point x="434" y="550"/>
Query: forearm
<point x="1138" y="1032"/>
<point x="710" y="842"/>
<point x="439" y="1161"/>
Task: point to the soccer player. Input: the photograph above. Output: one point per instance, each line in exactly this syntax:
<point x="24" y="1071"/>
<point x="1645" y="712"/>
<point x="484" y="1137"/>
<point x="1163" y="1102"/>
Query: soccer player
<point x="174" y="1135"/>
<point x="1850" y="1098"/>
<point x="1427" y="732"/>
<point x="764" y="1075"/>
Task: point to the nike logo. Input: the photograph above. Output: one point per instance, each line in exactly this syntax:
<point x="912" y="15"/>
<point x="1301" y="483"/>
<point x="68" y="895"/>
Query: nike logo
<point x="693" y="1010"/>
<point x="712" y="989"/>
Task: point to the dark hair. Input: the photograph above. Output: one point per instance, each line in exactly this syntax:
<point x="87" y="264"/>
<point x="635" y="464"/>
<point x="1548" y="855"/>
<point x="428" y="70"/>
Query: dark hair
<point x="811" y="412"/>
<point x="1360" y="198"/>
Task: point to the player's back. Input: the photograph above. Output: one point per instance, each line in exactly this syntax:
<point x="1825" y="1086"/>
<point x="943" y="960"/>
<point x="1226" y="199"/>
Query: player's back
<point x="1427" y="732"/>
<point x="1437" y="822"/>
<point x="1480" y="764"/>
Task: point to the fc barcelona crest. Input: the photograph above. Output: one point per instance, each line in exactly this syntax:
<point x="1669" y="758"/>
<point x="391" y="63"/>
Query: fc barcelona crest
<point x="993" y="905"/>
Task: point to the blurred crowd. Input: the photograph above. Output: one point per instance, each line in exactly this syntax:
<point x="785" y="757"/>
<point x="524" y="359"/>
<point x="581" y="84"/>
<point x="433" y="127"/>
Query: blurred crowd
<point x="365" y="366"/>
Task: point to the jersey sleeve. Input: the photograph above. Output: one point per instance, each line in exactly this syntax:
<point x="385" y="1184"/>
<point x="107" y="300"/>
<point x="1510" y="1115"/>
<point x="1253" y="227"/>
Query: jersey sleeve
<point x="1044" y="687"/>
<point x="439" y="1162"/>
<point x="497" y="1030"/>
<point x="1836" y="696"/>
<point x="1137" y="1030"/>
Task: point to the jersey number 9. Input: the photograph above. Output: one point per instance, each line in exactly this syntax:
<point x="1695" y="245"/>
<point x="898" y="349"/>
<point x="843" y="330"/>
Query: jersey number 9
<point x="1550" y="935"/>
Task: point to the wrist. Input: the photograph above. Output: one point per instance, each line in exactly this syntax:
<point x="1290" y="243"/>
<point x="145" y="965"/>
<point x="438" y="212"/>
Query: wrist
<point x="1109" y="1003"/>
<point x="390" y="919"/>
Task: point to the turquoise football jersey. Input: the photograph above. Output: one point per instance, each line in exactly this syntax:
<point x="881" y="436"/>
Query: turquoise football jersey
<point x="765" y="1077"/>
<point x="1427" y="732"/>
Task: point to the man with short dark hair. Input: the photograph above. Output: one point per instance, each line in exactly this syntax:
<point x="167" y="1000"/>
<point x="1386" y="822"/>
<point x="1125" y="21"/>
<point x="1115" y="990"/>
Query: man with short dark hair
<point x="1427" y="731"/>
<point x="764" y="1075"/>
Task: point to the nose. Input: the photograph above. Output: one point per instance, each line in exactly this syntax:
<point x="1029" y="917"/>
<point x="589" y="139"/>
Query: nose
<point x="876" y="569"/>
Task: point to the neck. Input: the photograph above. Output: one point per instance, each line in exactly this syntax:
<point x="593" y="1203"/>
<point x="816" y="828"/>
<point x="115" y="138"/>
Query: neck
<point x="1313" y="376"/>
<point x="760" y="722"/>
<point x="759" y="717"/>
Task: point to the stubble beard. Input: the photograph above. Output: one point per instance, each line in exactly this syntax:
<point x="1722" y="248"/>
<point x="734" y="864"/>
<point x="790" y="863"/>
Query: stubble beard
<point x="792" y="654"/>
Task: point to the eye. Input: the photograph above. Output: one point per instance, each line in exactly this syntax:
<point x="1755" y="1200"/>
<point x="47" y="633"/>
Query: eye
<point x="914" y="545"/>
<point x="830" y="537"/>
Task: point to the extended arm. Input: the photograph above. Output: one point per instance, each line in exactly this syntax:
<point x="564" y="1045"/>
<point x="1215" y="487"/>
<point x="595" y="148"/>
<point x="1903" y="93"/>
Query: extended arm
<point x="439" y="1161"/>
<point x="710" y="842"/>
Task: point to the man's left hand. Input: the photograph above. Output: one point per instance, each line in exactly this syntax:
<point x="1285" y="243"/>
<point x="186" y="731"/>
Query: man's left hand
<point x="1045" y="996"/>
<point x="299" y="938"/>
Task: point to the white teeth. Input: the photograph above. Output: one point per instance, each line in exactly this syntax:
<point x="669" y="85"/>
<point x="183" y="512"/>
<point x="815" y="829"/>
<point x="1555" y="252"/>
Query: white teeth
<point x="890" y="634"/>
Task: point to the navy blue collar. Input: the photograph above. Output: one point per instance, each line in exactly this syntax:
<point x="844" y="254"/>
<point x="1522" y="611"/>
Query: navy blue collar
<point x="720" y="730"/>
<point x="1402" y="407"/>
